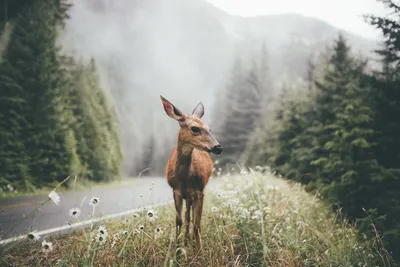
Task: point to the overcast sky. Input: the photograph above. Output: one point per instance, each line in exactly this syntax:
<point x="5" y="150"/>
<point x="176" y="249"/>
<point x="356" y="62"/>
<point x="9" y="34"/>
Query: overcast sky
<point x="344" y="14"/>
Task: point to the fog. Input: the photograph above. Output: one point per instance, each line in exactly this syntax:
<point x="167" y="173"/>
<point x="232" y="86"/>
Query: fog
<point x="183" y="50"/>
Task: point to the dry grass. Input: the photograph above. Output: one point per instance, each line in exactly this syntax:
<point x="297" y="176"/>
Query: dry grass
<point x="254" y="219"/>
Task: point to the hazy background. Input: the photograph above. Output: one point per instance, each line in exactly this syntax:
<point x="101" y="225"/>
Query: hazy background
<point x="183" y="49"/>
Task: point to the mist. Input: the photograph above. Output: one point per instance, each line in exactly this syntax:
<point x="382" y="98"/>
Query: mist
<point x="182" y="50"/>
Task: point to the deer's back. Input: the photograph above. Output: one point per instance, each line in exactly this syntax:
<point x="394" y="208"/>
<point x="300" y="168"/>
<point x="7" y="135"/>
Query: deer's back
<point x="200" y="171"/>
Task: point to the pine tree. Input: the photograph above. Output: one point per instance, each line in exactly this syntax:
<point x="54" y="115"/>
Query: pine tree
<point x="34" y="89"/>
<point x="386" y="99"/>
<point x="230" y="120"/>
<point x="96" y="126"/>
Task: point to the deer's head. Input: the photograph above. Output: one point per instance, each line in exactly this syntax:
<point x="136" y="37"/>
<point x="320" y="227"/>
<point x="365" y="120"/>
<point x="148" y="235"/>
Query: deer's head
<point x="193" y="131"/>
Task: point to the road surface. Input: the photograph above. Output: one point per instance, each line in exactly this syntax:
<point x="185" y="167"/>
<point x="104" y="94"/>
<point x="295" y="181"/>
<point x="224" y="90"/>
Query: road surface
<point x="16" y="216"/>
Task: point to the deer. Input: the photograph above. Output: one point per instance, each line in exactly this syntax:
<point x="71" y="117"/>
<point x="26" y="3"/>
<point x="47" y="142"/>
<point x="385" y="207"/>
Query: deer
<point x="190" y="166"/>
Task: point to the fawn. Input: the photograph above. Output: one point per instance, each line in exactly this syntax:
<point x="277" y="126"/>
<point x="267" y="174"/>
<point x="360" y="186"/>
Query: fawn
<point x="190" y="166"/>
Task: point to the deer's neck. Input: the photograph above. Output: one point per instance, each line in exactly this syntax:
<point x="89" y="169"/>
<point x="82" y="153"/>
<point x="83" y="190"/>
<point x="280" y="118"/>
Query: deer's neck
<point x="184" y="159"/>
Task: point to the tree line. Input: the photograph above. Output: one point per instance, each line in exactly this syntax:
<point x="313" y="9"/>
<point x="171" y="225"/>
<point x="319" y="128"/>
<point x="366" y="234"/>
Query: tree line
<point x="337" y="133"/>
<point x="55" y="118"/>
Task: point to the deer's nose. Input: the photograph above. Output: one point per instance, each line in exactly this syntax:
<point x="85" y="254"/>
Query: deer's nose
<point x="217" y="149"/>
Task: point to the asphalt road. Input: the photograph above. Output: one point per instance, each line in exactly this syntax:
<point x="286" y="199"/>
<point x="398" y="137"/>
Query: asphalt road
<point x="16" y="216"/>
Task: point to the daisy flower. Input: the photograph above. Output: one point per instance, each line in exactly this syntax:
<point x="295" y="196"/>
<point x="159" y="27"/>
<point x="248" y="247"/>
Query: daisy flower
<point x="74" y="213"/>
<point x="100" y="239"/>
<point x="54" y="197"/>
<point x="47" y="246"/>
<point x="152" y="215"/>
<point x="141" y="227"/>
<point x="158" y="231"/>
<point x="135" y="215"/>
<point x="94" y="201"/>
<point x="102" y="231"/>
<point x="214" y="209"/>
<point x="34" y="236"/>
<point x="125" y="232"/>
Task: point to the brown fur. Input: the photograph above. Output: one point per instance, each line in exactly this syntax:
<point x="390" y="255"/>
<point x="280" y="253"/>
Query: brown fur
<point x="189" y="167"/>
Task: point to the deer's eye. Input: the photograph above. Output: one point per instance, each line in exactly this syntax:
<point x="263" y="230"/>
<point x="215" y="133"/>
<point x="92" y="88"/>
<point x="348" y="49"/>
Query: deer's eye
<point x="195" y="130"/>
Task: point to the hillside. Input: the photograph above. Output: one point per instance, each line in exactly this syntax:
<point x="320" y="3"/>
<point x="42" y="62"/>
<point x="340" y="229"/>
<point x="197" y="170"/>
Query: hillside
<point x="182" y="50"/>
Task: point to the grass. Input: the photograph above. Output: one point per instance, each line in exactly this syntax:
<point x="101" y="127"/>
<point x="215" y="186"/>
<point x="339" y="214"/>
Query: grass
<point x="254" y="219"/>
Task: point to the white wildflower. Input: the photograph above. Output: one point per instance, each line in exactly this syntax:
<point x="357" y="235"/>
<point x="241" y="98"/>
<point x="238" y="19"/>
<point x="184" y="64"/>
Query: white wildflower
<point x="214" y="209"/>
<point x="74" y="213"/>
<point x="47" y="246"/>
<point x="125" y="232"/>
<point x="141" y="227"/>
<point x="101" y="239"/>
<point x="158" y="231"/>
<point x="94" y="201"/>
<point x="102" y="231"/>
<point x="152" y="215"/>
<point x="135" y="215"/>
<point x="54" y="197"/>
<point x="33" y="236"/>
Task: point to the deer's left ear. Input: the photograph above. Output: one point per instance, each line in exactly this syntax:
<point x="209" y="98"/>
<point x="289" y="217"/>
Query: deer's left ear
<point x="172" y="111"/>
<point x="198" y="110"/>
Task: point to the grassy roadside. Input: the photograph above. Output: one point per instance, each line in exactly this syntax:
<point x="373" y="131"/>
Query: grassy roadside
<point x="254" y="219"/>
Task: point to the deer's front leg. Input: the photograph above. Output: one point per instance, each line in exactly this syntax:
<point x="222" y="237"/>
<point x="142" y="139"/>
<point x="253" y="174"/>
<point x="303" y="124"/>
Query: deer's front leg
<point x="178" y="207"/>
<point x="197" y="210"/>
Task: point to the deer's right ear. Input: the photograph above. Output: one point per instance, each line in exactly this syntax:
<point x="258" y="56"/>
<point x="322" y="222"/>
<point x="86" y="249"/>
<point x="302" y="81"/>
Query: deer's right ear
<point x="171" y="110"/>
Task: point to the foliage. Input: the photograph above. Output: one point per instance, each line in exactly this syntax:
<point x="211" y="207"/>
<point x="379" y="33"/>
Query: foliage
<point x="43" y="140"/>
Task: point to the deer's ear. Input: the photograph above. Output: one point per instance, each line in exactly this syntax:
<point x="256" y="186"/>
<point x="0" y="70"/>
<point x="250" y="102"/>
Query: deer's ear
<point x="171" y="110"/>
<point x="198" y="110"/>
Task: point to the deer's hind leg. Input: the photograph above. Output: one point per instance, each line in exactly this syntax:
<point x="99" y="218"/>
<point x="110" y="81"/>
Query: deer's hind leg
<point x="197" y="211"/>
<point x="187" y="220"/>
<point x="178" y="208"/>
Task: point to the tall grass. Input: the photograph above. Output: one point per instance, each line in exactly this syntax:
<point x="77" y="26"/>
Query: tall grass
<point x="253" y="219"/>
